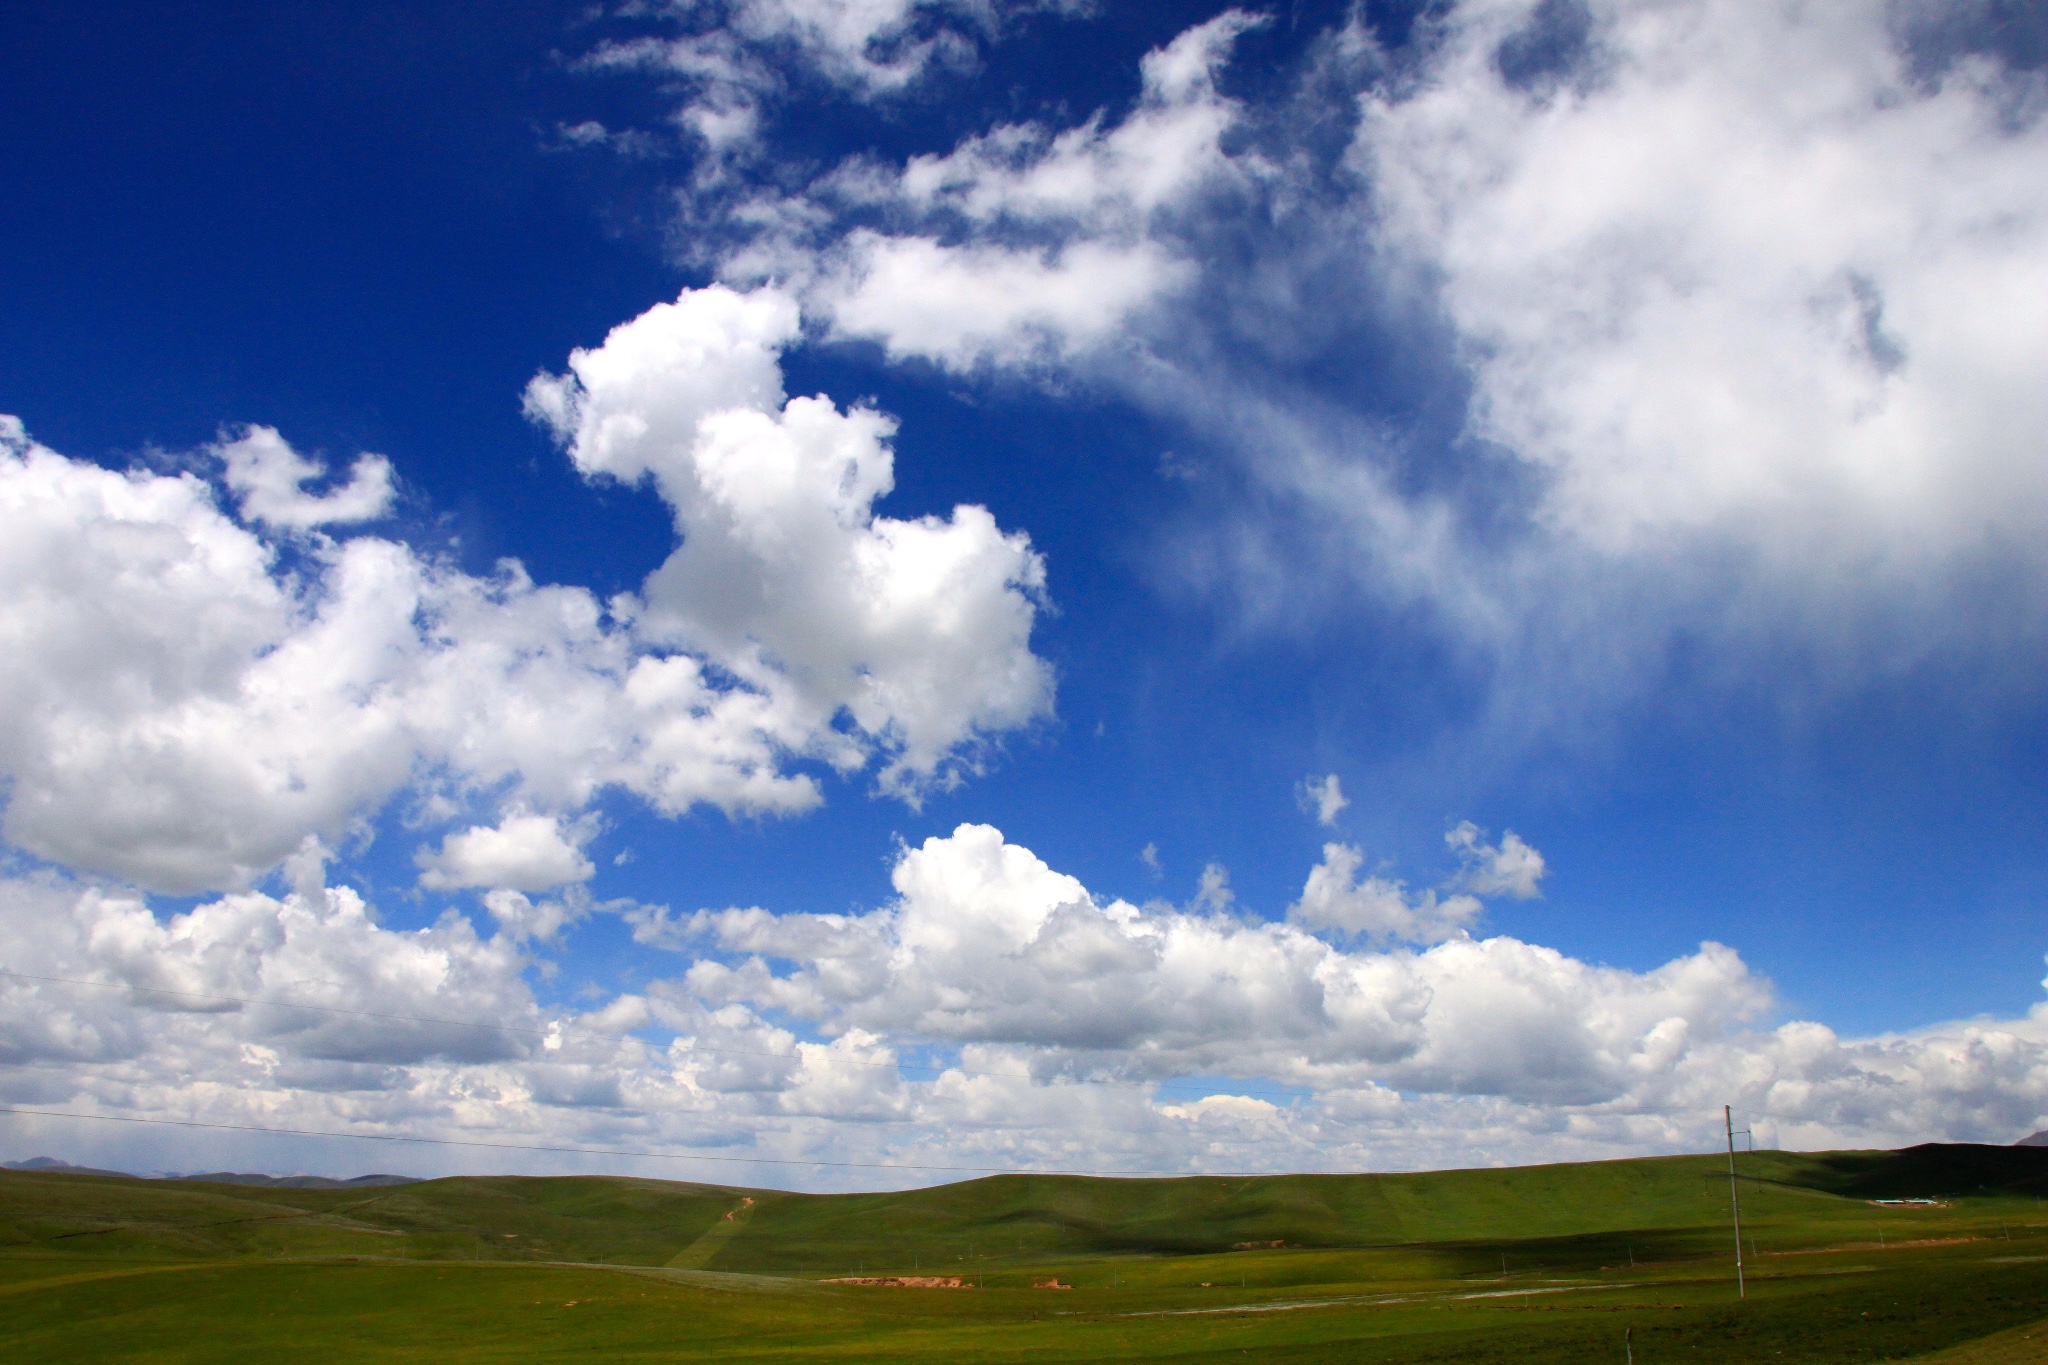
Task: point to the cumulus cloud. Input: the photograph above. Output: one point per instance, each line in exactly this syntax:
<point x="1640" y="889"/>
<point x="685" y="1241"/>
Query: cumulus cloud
<point x="1335" y="899"/>
<point x="1509" y="868"/>
<point x="919" y="631"/>
<point x="990" y="948"/>
<point x="1323" y="797"/>
<point x="522" y="852"/>
<point x="326" y="950"/>
<point x="181" y="712"/>
<point x="1062" y="1022"/>
<point x="520" y="917"/>
<point x="1213" y="891"/>
<point x="268" y="480"/>
<point x="988" y="945"/>
<point x="180" y="706"/>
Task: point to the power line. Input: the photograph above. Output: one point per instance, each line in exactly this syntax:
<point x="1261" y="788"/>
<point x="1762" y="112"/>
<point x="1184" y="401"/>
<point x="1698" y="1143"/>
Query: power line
<point x="565" y="1030"/>
<point x="592" y="1151"/>
<point x="1782" y="1118"/>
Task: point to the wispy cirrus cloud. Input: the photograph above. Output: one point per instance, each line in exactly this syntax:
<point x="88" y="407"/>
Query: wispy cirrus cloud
<point x="733" y="62"/>
<point x="1728" y="309"/>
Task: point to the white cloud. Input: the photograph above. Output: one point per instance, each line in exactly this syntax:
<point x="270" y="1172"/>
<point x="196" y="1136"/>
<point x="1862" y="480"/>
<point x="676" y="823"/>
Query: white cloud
<point x="989" y="947"/>
<point x="1334" y="899"/>
<point x="181" y="713"/>
<point x="1213" y="893"/>
<point x="1744" y="295"/>
<point x="1733" y="268"/>
<point x="326" y="950"/>
<point x="870" y="48"/>
<point x="181" y="709"/>
<point x="962" y="305"/>
<point x="1094" y="177"/>
<point x="1471" y="1051"/>
<point x="866" y="45"/>
<point x="738" y="59"/>
<point x="1509" y="868"/>
<point x="153" y="716"/>
<point x="522" y="852"/>
<point x="521" y="918"/>
<point x="268" y="479"/>
<point x="1323" y="796"/>
<point x="918" y="631"/>
<point x="1020" y="246"/>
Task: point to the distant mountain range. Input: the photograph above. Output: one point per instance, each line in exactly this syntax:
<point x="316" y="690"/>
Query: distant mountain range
<point x="50" y="1163"/>
<point x="288" y="1182"/>
<point x="2039" y="1139"/>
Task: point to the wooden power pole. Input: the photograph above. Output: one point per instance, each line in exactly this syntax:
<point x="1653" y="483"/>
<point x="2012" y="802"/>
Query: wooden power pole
<point x="1734" y="1201"/>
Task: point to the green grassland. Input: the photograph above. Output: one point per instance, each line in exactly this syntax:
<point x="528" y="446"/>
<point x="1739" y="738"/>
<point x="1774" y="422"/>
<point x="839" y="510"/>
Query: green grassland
<point x="1536" y="1264"/>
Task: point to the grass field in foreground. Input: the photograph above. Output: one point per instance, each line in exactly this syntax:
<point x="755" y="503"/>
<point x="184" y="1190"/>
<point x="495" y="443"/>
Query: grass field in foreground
<point x="1537" y="1264"/>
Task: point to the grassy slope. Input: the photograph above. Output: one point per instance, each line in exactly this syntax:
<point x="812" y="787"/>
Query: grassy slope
<point x="1403" y="1267"/>
<point x="257" y="1310"/>
<point x="1650" y="1208"/>
<point x="2024" y="1345"/>
<point x="574" y="1218"/>
<point x="1658" y="1207"/>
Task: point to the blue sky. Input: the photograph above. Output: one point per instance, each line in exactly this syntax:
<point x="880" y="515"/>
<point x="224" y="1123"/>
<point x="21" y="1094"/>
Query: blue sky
<point x="1567" y="419"/>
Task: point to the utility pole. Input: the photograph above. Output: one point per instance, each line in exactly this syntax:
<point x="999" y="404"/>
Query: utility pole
<point x="1734" y="1201"/>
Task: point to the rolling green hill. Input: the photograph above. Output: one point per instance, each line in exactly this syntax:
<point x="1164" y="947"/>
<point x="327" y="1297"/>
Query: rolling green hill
<point x="1449" y="1265"/>
<point x="1672" y="1203"/>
